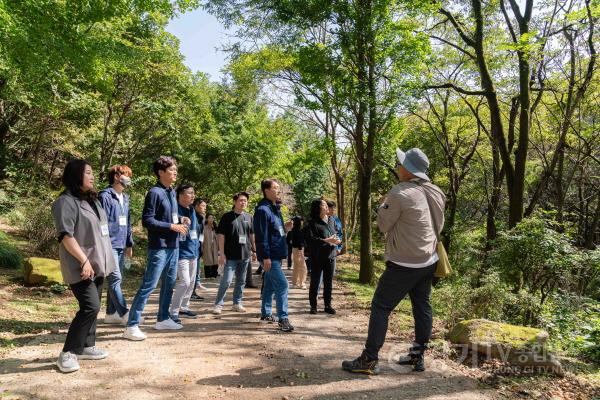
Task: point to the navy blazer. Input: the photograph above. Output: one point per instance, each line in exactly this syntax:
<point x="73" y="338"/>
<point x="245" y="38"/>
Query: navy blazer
<point x="159" y="206"/>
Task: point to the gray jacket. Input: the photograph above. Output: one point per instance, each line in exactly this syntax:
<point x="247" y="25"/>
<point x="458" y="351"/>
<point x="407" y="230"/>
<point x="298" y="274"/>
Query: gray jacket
<point x="405" y="220"/>
<point x="77" y="218"/>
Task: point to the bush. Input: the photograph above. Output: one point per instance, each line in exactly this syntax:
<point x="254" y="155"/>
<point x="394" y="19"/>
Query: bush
<point x="38" y="227"/>
<point x="10" y="256"/>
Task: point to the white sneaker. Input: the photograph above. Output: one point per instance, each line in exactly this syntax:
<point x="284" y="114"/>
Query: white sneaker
<point x="115" y="319"/>
<point x="67" y="362"/>
<point x="239" y="308"/>
<point x="201" y="287"/>
<point x="92" y="353"/>
<point x="167" y="324"/>
<point x="217" y="310"/>
<point x="134" y="333"/>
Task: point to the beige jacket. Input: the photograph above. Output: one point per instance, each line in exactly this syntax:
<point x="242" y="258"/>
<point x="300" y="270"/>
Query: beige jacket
<point x="405" y="220"/>
<point x="210" y="247"/>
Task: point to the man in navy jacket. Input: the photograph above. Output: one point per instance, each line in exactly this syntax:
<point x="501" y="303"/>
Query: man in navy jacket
<point x="271" y="247"/>
<point x="160" y="217"/>
<point x="115" y="202"/>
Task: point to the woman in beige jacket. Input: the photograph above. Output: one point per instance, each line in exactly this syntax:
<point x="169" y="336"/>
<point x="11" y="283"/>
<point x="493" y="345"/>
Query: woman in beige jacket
<point x="210" y="248"/>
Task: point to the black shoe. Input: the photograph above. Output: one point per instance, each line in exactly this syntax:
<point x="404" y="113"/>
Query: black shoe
<point x="361" y="365"/>
<point x="188" y="313"/>
<point x="313" y="310"/>
<point x="415" y="357"/>
<point x="269" y="319"/>
<point x="194" y="296"/>
<point x="251" y="286"/>
<point x="329" y="310"/>
<point x="285" y="326"/>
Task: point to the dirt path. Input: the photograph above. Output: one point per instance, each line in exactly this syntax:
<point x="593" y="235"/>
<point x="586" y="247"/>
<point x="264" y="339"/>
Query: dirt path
<point x="233" y="357"/>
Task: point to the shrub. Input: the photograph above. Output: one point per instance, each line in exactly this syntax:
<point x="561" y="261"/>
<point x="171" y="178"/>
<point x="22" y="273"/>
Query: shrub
<point x="10" y="256"/>
<point x="38" y="227"/>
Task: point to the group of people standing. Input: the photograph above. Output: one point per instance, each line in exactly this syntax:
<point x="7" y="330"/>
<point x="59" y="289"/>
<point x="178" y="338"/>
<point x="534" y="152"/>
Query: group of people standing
<point x="95" y="235"/>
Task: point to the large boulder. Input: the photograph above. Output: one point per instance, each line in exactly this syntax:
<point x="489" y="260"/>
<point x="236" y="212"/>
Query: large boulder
<point x="518" y="345"/>
<point x="42" y="271"/>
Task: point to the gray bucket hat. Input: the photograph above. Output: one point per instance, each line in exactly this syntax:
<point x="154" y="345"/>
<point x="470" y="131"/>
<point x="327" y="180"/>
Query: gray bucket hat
<point x="414" y="161"/>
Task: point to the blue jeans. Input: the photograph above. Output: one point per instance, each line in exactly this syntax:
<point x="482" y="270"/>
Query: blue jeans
<point x="239" y="268"/>
<point x="275" y="283"/>
<point x="115" y="301"/>
<point x="162" y="264"/>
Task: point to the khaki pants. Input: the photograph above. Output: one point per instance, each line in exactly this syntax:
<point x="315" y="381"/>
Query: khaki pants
<point x="299" y="273"/>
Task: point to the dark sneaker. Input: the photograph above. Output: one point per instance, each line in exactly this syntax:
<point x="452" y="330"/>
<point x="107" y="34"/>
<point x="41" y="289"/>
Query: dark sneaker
<point x="313" y="310"/>
<point x="175" y="318"/>
<point x="251" y="286"/>
<point x="361" y="365"/>
<point x="415" y="357"/>
<point x="188" y="313"/>
<point x="285" y="326"/>
<point x="329" y="310"/>
<point x="196" y="297"/>
<point x="269" y="319"/>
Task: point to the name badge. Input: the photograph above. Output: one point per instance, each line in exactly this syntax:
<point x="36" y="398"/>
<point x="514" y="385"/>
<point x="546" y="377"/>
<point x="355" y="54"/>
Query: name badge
<point x="242" y="240"/>
<point x="201" y="238"/>
<point x="281" y="231"/>
<point x="193" y="234"/>
<point x="104" y="229"/>
<point x="122" y="220"/>
<point x="175" y="218"/>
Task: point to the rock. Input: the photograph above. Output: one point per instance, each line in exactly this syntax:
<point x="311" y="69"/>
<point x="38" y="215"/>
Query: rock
<point x="518" y="345"/>
<point x="42" y="271"/>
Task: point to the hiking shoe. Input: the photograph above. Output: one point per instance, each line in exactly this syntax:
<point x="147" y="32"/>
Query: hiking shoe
<point x="188" y="313"/>
<point x="134" y="333"/>
<point x="239" y="308"/>
<point x="92" y="353"/>
<point x="269" y="319"/>
<point x="313" y="310"/>
<point x="330" y="310"/>
<point x="175" y="318"/>
<point x="115" y="319"/>
<point x="415" y="357"/>
<point x="194" y="296"/>
<point x="361" y="365"/>
<point x="285" y="326"/>
<point x="217" y="310"/>
<point x="67" y="362"/>
<point x="167" y="324"/>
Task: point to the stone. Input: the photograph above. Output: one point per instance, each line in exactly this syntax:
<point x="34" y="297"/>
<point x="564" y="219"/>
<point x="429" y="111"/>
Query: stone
<point x="42" y="271"/>
<point x="520" y="346"/>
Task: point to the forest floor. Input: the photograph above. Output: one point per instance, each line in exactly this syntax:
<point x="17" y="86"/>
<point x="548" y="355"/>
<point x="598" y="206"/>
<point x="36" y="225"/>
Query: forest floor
<point x="230" y="356"/>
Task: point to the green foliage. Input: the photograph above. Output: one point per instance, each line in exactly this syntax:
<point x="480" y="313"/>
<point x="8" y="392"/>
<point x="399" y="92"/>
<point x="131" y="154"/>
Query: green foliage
<point x="10" y="256"/>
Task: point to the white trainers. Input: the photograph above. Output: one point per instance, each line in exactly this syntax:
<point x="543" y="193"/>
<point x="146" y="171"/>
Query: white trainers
<point x="217" y="310"/>
<point x="134" y="333"/>
<point x="239" y="308"/>
<point x="92" y="353"/>
<point x="67" y="362"/>
<point x="167" y="324"/>
<point x="114" y="319"/>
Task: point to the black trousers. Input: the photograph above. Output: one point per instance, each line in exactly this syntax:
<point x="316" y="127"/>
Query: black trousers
<point x="249" y="274"/>
<point x="210" y="271"/>
<point x="394" y="284"/>
<point x="82" y="332"/>
<point x="325" y="265"/>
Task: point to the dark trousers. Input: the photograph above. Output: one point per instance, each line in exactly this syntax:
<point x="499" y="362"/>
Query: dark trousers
<point x="82" y="332"/>
<point x="394" y="284"/>
<point x="318" y="266"/>
<point x="249" y="274"/>
<point x="210" y="271"/>
<point x="289" y="258"/>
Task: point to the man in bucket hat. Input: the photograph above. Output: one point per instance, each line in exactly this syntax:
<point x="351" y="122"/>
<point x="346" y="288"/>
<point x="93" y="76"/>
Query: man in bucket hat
<point x="410" y="253"/>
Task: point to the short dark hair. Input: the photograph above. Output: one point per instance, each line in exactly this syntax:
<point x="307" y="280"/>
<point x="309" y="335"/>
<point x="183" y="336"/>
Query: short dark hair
<point x="238" y="194"/>
<point x="182" y="188"/>
<point x="118" y="169"/>
<point x="72" y="178"/>
<point x="330" y="203"/>
<point x="162" y="163"/>
<point x="266" y="184"/>
<point x="315" y="209"/>
<point x="197" y="201"/>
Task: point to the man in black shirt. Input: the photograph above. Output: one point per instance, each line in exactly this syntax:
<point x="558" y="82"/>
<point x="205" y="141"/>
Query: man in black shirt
<point x="236" y="248"/>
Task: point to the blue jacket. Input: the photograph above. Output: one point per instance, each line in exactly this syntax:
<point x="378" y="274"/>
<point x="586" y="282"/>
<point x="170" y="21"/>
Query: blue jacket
<point x="157" y="217"/>
<point x="339" y="232"/>
<point x="189" y="247"/>
<point x="120" y="235"/>
<point x="269" y="231"/>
